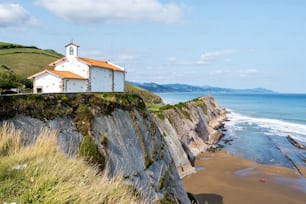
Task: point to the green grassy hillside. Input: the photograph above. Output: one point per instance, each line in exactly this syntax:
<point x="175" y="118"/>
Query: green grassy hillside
<point x="25" y="60"/>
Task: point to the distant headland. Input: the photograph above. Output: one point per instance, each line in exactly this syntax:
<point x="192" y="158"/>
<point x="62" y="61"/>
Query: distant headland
<point x="164" y="88"/>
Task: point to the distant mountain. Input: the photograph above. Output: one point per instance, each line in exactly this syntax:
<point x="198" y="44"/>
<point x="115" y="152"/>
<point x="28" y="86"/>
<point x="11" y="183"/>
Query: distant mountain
<point x="163" y="88"/>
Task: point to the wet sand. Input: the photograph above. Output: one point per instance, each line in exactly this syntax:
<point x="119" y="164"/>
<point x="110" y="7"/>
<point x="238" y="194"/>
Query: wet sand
<point x="227" y="179"/>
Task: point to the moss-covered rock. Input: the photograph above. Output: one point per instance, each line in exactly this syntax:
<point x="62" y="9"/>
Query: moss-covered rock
<point x="90" y="152"/>
<point x="49" y="106"/>
<point x="103" y="140"/>
<point x="82" y="119"/>
<point x="147" y="159"/>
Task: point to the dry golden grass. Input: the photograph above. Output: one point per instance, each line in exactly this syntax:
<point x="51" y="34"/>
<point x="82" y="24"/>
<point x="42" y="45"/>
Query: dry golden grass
<point x="41" y="173"/>
<point x="9" y="140"/>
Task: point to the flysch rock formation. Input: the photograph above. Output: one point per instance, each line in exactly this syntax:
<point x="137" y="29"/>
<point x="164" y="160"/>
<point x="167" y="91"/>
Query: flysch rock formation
<point x="189" y="129"/>
<point x="132" y="143"/>
<point x="150" y="151"/>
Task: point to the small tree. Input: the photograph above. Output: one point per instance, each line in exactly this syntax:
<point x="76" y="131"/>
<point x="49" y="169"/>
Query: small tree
<point x="8" y="79"/>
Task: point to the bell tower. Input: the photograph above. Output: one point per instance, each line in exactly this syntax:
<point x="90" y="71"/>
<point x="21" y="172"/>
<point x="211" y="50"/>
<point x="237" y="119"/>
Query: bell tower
<point x="71" y="50"/>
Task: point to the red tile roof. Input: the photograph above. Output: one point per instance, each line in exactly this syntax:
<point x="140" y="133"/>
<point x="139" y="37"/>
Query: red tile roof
<point x="92" y="62"/>
<point x="57" y="61"/>
<point x="103" y="64"/>
<point x="61" y="74"/>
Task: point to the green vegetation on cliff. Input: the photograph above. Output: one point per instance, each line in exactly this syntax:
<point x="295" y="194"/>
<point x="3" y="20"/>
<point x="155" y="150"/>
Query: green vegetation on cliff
<point x="79" y="106"/>
<point x="148" y="97"/>
<point x="147" y="159"/>
<point x="89" y="151"/>
<point x="181" y="108"/>
<point x="41" y="173"/>
<point x="9" y="79"/>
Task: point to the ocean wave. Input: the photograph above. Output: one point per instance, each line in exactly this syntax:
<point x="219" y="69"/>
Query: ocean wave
<point x="270" y="126"/>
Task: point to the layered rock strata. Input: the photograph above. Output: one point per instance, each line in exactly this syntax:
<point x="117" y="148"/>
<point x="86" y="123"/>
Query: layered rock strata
<point x="189" y="129"/>
<point x="121" y="128"/>
<point x="151" y="152"/>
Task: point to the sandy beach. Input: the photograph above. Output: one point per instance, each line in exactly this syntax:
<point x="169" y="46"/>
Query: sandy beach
<point x="227" y="179"/>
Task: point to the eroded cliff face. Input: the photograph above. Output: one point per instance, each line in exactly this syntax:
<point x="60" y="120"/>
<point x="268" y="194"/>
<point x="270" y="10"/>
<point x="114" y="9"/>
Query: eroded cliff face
<point x="189" y="129"/>
<point x="151" y="152"/>
<point x="123" y="131"/>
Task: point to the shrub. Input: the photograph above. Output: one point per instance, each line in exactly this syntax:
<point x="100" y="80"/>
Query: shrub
<point x="90" y="152"/>
<point x="83" y="119"/>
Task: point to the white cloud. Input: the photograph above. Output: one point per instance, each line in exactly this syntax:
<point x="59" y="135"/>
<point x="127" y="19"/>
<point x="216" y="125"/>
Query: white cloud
<point x="242" y="73"/>
<point x="13" y="15"/>
<point x="126" y="57"/>
<point x="94" y="54"/>
<point x="251" y="71"/>
<point x="172" y="59"/>
<point x="80" y="11"/>
<point x="208" y="57"/>
<point x="120" y="58"/>
<point x="220" y="72"/>
<point x="248" y="73"/>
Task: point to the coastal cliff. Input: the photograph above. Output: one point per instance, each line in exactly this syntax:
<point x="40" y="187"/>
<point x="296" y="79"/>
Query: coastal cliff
<point x="116" y="128"/>
<point x="189" y="129"/>
<point x="150" y="151"/>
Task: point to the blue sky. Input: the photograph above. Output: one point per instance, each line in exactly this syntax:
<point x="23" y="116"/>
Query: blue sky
<point x="224" y="43"/>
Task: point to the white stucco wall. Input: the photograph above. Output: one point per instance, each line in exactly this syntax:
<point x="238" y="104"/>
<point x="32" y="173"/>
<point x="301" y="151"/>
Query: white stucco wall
<point x="75" y="85"/>
<point x="119" y="79"/>
<point x="74" y="66"/>
<point x="48" y="83"/>
<point x="101" y="79"/>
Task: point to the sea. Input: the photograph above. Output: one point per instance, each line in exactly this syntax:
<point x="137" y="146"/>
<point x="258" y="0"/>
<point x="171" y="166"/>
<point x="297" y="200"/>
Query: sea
<point x="258" y="125"/>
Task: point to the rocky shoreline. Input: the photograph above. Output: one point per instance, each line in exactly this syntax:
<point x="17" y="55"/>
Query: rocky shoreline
<point x="295" y="143"/>
<point x="190" y="129"/>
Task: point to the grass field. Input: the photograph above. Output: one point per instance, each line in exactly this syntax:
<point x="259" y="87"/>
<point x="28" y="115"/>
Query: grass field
<point x="25" y="61"/>
<point x="41" y="173"/>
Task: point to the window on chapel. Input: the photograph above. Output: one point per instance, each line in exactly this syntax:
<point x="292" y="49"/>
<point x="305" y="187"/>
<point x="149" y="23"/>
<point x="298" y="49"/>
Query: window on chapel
<point x="71" y="51"/>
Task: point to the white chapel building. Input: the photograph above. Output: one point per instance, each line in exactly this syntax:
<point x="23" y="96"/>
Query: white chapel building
<point x="76" y="74"/>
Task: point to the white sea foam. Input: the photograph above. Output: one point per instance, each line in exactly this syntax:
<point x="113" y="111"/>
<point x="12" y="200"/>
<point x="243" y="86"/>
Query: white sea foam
<point x="269" y="133"/>
<point x="271" y="126"/>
